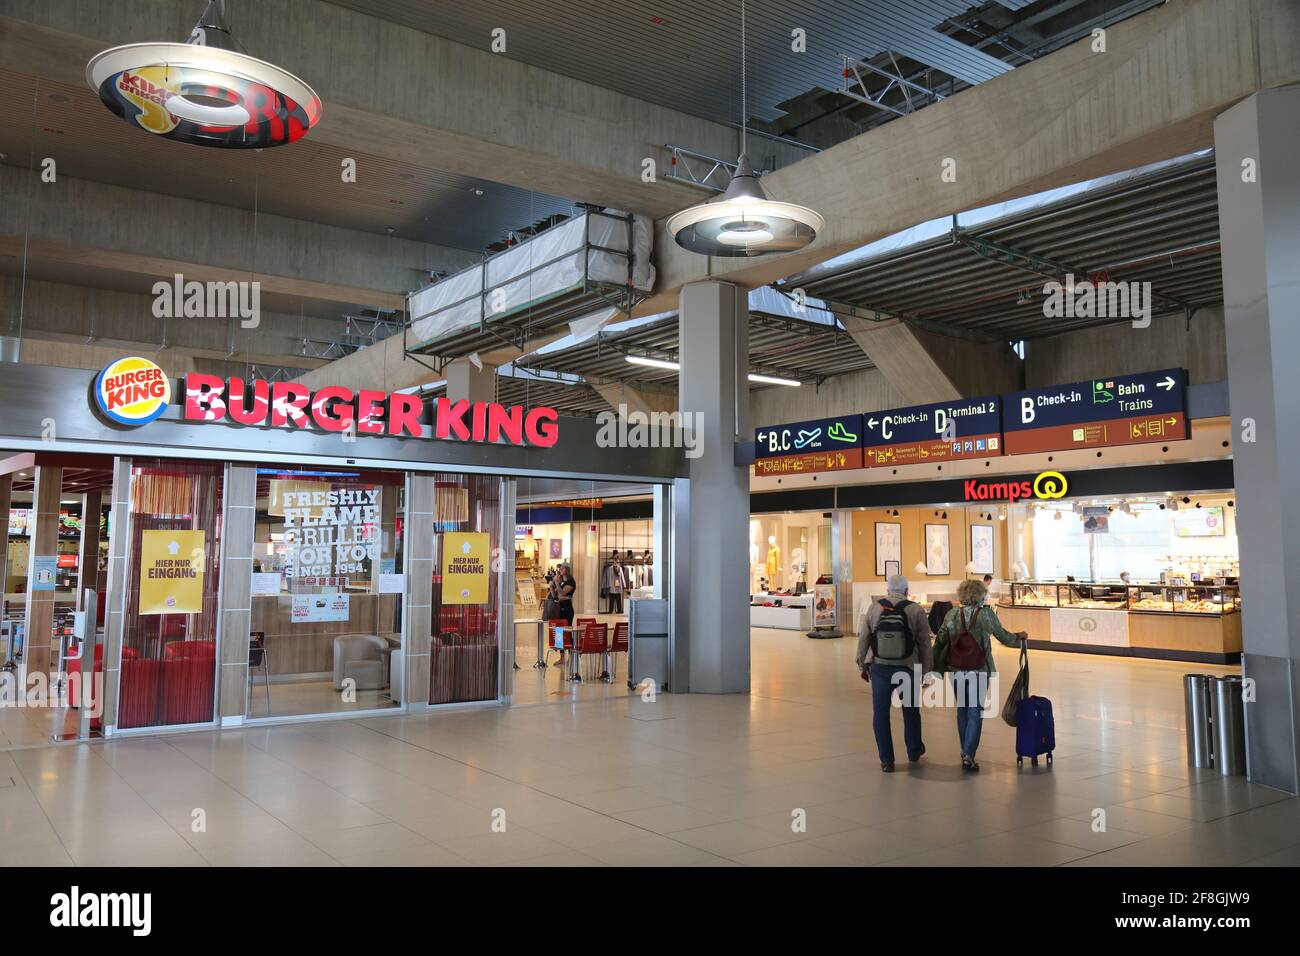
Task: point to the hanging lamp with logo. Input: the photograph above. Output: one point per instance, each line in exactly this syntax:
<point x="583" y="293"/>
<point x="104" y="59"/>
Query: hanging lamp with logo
<point x="204" y="91"/>
<point x="743" y="221"/>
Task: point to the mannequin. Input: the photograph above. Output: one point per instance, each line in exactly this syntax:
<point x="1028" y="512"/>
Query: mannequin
<point x="773" y="560"/>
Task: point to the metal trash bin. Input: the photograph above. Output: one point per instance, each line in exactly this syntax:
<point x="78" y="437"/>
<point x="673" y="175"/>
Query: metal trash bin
<point x="1228" y="718"/>
<point x="1200" y="736"/>
<point x="648" y="658"/>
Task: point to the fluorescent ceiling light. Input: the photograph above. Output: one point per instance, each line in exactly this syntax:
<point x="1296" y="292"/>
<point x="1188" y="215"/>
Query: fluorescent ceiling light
<point x="773" y="380"/>
<point x="654" y="362"/>
<point x="676" y="367"/>
<point x="204" y="92"/>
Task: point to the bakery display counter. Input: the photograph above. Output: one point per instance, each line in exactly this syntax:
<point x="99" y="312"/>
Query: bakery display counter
<point x="1190" y="622"/>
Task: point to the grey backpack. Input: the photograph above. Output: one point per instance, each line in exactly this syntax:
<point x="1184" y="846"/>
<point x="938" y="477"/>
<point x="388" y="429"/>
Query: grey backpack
<point x="891" y="639"/>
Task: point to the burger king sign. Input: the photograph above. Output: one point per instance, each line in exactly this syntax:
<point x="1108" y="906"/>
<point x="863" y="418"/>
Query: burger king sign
<point x="132" y="391"/>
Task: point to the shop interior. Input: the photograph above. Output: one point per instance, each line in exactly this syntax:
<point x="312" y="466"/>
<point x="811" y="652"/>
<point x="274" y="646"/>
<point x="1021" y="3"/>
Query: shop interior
<point x="1163" y="570"/>
<point x="326" y="594"/>
<point x="604" y="532"/>
<point x="935" y="547"/>
<point x="71" y="533"/>
<point x="1167" y="564"/>
<point x="788" y="554"/>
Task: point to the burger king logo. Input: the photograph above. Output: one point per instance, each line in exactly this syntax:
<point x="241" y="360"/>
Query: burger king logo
<point x="132" y="391"/>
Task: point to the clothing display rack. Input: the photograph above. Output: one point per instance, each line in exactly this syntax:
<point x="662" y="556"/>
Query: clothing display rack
<point x="621" y="576"/>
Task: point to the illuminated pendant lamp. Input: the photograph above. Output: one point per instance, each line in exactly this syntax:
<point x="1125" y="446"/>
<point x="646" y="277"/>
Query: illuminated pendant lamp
<point x="203" y="91"/>
<point x="743" y="221"/>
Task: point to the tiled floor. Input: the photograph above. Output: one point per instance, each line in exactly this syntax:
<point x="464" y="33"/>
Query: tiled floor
<point x="689" y="780"/>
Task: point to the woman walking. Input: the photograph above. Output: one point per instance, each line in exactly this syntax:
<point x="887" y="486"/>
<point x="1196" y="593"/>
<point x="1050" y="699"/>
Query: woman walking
<point x="963" y="648"/>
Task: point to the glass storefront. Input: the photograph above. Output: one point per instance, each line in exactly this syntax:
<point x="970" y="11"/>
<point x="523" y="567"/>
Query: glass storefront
<point x="173" y="566"/>
<point x="465" y="652"/>
<point x="327" y="592"/>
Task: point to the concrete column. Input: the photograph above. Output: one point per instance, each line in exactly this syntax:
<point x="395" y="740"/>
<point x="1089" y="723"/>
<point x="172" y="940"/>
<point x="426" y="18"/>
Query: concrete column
<point x="386" y="603"/>
<point x="88" y="559"/>
<point x="466" y="380"/>
<point x="505" y="573"/>
<point x="38" y="649"/>
<point x="237" y="532"/>
<point x="713" y="331"/>
<point x="6" y="499"/>
<point x="418" y="619"/>
<point x="1256" y="142"/>
<point x="663" y="539"/>
<point x="586" y="568"/>
<point x="116" y="586"/>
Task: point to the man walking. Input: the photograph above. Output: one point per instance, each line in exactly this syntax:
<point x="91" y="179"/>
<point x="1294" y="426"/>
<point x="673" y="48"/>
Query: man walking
<point x="895" y="638"/>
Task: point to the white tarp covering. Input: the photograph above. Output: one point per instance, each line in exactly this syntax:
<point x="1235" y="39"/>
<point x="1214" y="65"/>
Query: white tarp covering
<point x="924" y="232"/>
<point x="584" y="328"/>
<point x="536" y="269"/>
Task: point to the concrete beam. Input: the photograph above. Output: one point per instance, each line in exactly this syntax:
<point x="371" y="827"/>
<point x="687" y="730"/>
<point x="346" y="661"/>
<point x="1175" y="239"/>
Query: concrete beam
<point x="386" y="366"/>
<point x="474" y="383"/>
<point x="77" y="224"/>
<point x="411" y="97"/>
<point x="643" y="400"/>
<point x="123" y="322"/>
<point x="1067" y="117"/>
<point x="923" y="366"/>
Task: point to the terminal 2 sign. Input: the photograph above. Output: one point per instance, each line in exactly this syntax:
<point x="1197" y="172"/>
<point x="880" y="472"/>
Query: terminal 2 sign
<point x="1119" y="410"/>
<point x="939" y="432"/>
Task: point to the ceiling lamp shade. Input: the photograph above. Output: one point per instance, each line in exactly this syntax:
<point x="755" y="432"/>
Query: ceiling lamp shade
<point x="743" y="222"/>
<point x="203" y="92"/>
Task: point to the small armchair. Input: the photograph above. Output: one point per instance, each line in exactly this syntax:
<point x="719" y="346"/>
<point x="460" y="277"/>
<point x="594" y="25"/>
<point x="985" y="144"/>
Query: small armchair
<point x="364" y="658"/>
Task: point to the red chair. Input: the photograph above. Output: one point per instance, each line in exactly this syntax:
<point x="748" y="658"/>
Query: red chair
<point x="619" y="646"/>
<point x="137" y="700"/>
<point x="187" y="682"/>
<point x="568" y="645"/>
<point x="593" y="640"/>
<point x="96" y="716"/>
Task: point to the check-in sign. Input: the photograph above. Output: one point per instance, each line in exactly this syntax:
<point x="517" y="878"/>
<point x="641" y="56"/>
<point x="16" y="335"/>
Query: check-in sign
<point x="1120" y="410"/>
<point x="826" y="444"/>
<point x="943" y="431"/>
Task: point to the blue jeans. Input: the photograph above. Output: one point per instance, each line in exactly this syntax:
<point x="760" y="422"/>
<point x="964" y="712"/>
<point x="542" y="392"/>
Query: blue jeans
<point x="970" y="688"/>
<point x="883" y="691"/>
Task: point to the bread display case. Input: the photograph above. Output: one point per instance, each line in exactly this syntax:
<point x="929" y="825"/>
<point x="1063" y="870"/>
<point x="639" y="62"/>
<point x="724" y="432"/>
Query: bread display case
<point x="1165" y="598"/>
<point x="1184" y="621"/>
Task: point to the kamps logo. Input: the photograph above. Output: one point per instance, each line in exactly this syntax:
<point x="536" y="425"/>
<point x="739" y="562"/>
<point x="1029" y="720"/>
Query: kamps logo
<point x="1047" y="485"/>
<point x="132" y="391"/>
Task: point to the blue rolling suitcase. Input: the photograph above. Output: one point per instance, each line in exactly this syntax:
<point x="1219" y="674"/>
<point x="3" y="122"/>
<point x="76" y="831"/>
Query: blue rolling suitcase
<point x="1035" y="730"/>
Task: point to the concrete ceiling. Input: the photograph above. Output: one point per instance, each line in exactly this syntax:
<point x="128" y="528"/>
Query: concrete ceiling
<point x="687" y="56"/>
<point x="66" y="121"/>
